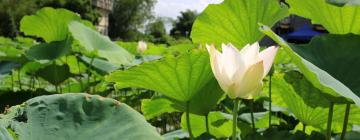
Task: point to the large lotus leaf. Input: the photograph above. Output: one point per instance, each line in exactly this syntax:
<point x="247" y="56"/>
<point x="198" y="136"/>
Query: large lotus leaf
<point x="79" y="117"/>
<point x="95" y="42"/>
<point x="155" y="107"/>
<point x="292" y="90"/>
<point x="10" y="53"/>
<point x="49" y="51"/>
<point x="54" y="74"/>
<point x="344" y="2"/>
<point x="219" y="125"/>
<point x="209" y="96"/>
<point x="337" y="20"/>
<point x="48" y="23"/>
<point x="100" y="65"/>
<point x="330" y="62"/>
<point x="235" y="21"/>
<point x="187" y="77"/>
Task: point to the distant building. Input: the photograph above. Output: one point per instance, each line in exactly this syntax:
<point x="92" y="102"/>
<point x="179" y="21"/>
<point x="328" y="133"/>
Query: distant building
<point x="104" y="7"/>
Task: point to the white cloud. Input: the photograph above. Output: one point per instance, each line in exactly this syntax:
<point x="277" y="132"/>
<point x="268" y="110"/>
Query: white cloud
<point x="172" y="8"/>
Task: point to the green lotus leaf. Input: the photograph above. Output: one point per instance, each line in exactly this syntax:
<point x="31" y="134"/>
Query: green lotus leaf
<point x="337" y="20"/>
<point x="219" y="125"/>
<point x="100" y="65"/>
<point x="293" y="91"/>
<point x="78" y="117"/>
<point x="48" y="23"/>
<point x="93" y="41"/>
<point x="330" y="62"/>
<point x="184" y="78"/>
<point x="54" y="74"/>
<point x="201" y="104"/>
<point x="49" y="51"/>
<point x="234" y="21"/>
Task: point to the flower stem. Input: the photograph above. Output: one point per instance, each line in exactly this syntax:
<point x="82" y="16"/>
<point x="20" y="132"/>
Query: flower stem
<point x="207" y="124"/>
<point x="12" y="81"/>
<point x="188" y="120"/>
<point x="80" y="79"/>
<point x="270" y="100"/>
<point x="19" y="78"/>
<point x="346" y="118"/>
<point x="330" y="115"/>
<point x="252" y="113"/>
<point x="235" y="116"/>
<point x="304" y="128"/>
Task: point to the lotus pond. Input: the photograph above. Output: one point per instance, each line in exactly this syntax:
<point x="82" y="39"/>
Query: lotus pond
<point x="62" y="80"/>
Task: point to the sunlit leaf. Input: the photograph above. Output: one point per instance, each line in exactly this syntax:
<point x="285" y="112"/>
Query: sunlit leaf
<point x="184" y="78"/>
<point x="235" y="21"/>
<point x="337" y="20"/>
<point x="93" y="41"/>
<point x="209" y="96"/>
<point x="48" y="23"/>
<point x="306" y="103"/>
<point x="219" y="125"/>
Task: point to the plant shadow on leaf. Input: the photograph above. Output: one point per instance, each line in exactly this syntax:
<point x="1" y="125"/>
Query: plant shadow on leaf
<point x="330" y="62"/>
<point x="310" y="96"/>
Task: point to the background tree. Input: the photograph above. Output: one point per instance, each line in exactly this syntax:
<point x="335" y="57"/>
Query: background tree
<point x="156" y="31"/>
<point x="12" y="11"/>
<point x="128" y="17"/>
<point x="83" y="7"/>
<point x="183" y="23"/>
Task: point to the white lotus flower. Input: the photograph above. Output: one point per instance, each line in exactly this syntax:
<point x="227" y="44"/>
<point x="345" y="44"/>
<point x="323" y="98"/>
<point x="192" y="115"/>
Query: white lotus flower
<point x="240" y="74"/>
<point x="142" y="47"/>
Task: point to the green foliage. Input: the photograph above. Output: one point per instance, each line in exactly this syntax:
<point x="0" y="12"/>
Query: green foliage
<point x="69" y="56"/>
<point x="54" y="74"/>
<point x="235" y="21"/>
<point x="49" y="51"/>
<point x="84" y="8"/>
<point x="337" y="20"/>
<point x="96" y="43"/>
<point x="180" y="78"/>
<point x="101" y="65"/>
<point x="329" y="73"/>
<point x="128" y="16"/>
<point x="210" y="95"/>
<point x="183" y="24"/>
<point x="49" y="24"/>
<point x="12" y="11"/>
<point x="291" y="90"/>
<point x="77" y="116"/>
<point x="219" y="125"/>
<point x="157" y="32"/>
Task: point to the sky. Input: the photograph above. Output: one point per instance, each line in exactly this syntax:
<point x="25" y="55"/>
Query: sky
<point x="172" y="8"/>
